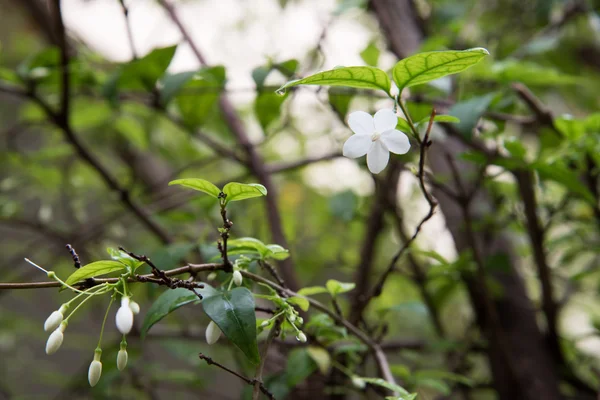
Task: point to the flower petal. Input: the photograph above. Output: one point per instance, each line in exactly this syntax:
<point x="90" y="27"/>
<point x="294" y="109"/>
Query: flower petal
<point x="396" y="141"/>
<point x="357" y="146"/>
<point x="377" y="157"/>
<point x="385" y="120"/>
<point x="361" y="123"/>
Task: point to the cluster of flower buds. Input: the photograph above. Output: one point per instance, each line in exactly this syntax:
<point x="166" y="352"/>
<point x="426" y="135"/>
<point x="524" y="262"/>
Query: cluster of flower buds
<point x="292" y="317"/>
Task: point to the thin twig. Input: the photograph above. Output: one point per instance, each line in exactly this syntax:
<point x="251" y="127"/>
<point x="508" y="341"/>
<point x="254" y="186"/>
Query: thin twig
<point x="253" y="382"/>
<point x="125" y="10"/>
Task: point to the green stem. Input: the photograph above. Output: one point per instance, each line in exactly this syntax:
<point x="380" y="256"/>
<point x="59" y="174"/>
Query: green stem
<point x="408" y="119"/>
<point x="83" y="302"/>
<point x="112" y="300"/>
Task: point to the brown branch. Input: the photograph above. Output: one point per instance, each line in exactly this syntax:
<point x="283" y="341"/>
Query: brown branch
<point x="291" y="165"/>
<point x="253" y="382"/>
<point x="129" y="31"/>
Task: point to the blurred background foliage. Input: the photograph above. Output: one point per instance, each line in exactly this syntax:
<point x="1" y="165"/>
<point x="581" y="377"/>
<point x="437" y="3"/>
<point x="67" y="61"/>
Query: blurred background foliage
<point x="151" y="120"/>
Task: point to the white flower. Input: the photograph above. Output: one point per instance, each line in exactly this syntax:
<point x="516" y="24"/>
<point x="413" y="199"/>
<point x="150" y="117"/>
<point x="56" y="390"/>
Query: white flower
<point x="301" y="337"/>
<point x="237" y="278"/>
<point x="124" y="317"/>
<point x="94" y="372"/>
<point x="122" y="359"/>
<point x="375" y="136"/>
<point x="55" y="319"/>
<point x="55" y="339"/>
<point x="212" y="333"/>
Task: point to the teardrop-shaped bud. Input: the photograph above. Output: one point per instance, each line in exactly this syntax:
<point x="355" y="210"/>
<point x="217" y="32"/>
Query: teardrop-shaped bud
<point x="237" y="278"/>
<point x="122" y="358"/>
<point x="358" y="382"/>
<point x="212" y="333"/>
<point x="301" y="337"/>
<point x="124" y="318"/>
<point x="53" y="321"/>
<point x="94" y="372"/>
<point x="55" y="339"/>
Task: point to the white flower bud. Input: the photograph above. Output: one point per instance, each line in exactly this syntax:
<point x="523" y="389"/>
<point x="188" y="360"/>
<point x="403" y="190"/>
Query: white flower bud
<point x="56" y="338"/>
<point x="212" y="276"/>
<point x="237" y="278"/>
<point x="135" y="307"/>
<point x="292" y="318"/>
<point x="122" y="358"/>
<point x="265" y="323"/>
<point x="358" y="382"/>
<point x="55" y="319"/>
<point x="94" y="372"/>
<point x="212" y="333"/>
<point x="301" y="337"/>
<point x="124" y="317"/>
<point x="299" y="321"/>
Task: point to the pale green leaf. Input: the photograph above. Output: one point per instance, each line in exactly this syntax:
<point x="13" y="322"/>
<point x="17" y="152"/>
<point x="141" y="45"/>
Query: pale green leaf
<point x="390" y="386"/>
<point x="198" y="184"/>
<point x="97" y="268"/>
<point x="321" y="357"/>
<point x="300" y="302"/>
<point x="357" y="77"/>
<point x="312" y="290"/>
<point x="240" y="191"/>
<point x="424" y="67"/>
<point x="335" y="287"/>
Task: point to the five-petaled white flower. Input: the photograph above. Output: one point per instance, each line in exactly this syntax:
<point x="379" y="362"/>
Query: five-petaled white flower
<point x="375" y="136"/>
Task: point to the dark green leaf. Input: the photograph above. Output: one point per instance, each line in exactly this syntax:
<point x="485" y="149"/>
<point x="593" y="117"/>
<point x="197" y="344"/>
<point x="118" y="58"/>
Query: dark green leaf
<point x="97" y="268"/>
<point x="340" y="100"/>
<point x="198" y="97"/>
<point x="358" y="77"/>
<point x="424" y="67"/>
<point x="170" y="301"/>
<point x="565" y="177"/>
<point x="383" y="383"/>
<point x="440" y="118"/>
<point x="267" y="107"/>
<point x="233" y="312"/>
<point x="171" y="84"/>
<point x="469" y="112"/>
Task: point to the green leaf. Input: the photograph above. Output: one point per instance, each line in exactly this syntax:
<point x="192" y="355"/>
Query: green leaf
<point x="300" y="302"/>
<point x="267" y="108"/>
<point x="515" y="147"/>
<point x="124" y="258"/>
<point x="357" y="77"/>
<point x="233" y="312"/>
<point x="469" y="112"/>
<point x="142" y="73"/>
<point x="97" y="268"/>
<point x="344" y="205"/>
<point x="197" y="99"/>
<point x="299" y="366"/>
<point x="198" y="184"/>
<point x="387" y="385"/>
<point x="248" y="243"/>
<point x="321" y="357"/>
<point x="335" y="287"/>
<point x="560" y="174"/>
<point x="424" y="67"/>
<point x="240" y="191"/>
<point x="440" y="118"/>
<point x="409" y="396"/>
<point x="370" y="54"/>
<point x="170" y="301"/>
<point x="403" y="125"/>
<point x="340" y="99"/>
<point x="171" y="84"/>
<point x="277" y="252"/>
<point x="312" y="290"/>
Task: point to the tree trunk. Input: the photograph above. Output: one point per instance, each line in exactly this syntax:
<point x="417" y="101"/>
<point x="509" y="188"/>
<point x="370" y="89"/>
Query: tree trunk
<point x="520" y="361"/>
